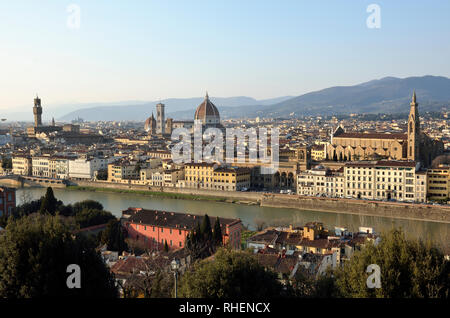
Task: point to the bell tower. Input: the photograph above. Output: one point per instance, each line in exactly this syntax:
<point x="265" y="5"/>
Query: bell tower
<point x="37" y="111"/>
<point x="160" y="119"/>
<point x="413" y="129"/>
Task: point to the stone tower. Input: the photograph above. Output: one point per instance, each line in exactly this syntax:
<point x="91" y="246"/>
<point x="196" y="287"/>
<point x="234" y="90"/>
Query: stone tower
<point x="413" y="130"/>
<point x="160" y="119"/>
<point x="37" y="111"/>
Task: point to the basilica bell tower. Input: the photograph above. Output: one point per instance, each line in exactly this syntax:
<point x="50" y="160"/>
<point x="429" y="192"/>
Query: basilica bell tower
<point x="413" y="130"/>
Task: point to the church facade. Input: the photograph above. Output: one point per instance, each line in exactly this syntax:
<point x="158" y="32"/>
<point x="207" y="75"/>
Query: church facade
<point x="413" y="145"/>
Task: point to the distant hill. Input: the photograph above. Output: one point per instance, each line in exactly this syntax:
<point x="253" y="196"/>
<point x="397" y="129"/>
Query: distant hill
<point x="135" y="111"/>
<point x="386" y="95"/>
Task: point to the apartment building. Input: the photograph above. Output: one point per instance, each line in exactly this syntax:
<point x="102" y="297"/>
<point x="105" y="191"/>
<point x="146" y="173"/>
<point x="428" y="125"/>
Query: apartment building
<point x="231" y="179"/>
<point x="40" y="166"/>
<point x="123" y="170"/>
<point x="22" y="165"/>
<point x="321" y="180"/>
<point x="381" y="180"/>
<point x="199" y="175"/>
<point x="211" y="176"/>
<point x="58" y="167"/>
<point x="85" y="168"/>
<point x="438" y="184"/>
<point x="371" y="180"/>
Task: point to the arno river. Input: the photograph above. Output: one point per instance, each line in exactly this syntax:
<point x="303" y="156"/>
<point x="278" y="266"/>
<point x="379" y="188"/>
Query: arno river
<point x="250" y="215"/>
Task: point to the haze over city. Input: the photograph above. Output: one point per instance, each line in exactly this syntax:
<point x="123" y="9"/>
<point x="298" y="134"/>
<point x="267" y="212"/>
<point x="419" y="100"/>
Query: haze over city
<point x="154" y="50"/>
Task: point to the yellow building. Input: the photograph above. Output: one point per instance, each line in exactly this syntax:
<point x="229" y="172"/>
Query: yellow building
<point x="438" y="184"/>
<point x="231" y="179"/>
<point x="211" y="176"/>
<point x="318" y="152"/>
<point x="21" y="165"/>
<point x="123" y="170"/>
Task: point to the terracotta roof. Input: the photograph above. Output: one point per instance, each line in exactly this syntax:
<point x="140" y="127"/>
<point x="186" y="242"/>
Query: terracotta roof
<point x="206" y="108"/>
<point x="372" y="135"/>
<point x="170" y="219"/>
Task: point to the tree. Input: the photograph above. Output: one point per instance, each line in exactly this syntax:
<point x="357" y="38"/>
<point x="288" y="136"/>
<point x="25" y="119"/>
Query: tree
<point x="6" y="163"/>
<point x="166" y="247"/>
<point x="205" y="229"/>
<point x="91" y="217"/>
<point x="409" y="268"/>
<point x="217" y="234"/>
<point x="114" y="236"/>
<point x="102" y="174"/>
<point x="231" y="274"/>
<point x="35" y="252"/>
<point x="200" y="242"/>
<point x="87" y="204"/>
<point x="49" y="202"/>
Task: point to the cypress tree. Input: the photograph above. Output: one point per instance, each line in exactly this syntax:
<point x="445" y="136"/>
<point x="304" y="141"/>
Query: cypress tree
<point x="206" y="230"/>
<point x="217" y="234"/>
<point x="49" y="202"/>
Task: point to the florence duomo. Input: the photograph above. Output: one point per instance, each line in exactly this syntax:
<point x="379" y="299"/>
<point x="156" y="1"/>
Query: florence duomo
<point x="412" y="145"/>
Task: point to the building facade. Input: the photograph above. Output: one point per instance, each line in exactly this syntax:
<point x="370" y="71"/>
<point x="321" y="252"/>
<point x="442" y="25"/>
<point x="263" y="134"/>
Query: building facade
<point x="156" y="228"/>
<point x="7" y="201"/>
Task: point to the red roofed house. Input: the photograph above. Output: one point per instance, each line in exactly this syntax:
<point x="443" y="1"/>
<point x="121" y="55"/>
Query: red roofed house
<point x="154" y="227"/>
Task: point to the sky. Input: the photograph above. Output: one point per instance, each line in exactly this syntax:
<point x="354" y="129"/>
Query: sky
<point x="156" y="49"/>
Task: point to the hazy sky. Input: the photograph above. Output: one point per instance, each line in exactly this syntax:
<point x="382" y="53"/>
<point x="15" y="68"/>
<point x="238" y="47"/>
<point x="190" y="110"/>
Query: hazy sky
<point x="146" y="50"/>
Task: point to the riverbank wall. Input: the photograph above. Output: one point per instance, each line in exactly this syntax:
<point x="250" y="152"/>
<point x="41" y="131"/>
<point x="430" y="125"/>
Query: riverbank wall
<point x="422" y="212"/>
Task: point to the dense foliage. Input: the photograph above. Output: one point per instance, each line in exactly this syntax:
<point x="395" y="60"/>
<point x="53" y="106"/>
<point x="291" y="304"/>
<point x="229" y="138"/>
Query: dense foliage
<point x="230" y="274"/>
<point x="409" y="268"/>
<point x="203" y="241"/>
<point x="35" y="251"/>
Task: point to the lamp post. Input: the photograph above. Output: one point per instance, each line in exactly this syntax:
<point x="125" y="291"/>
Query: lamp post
<point x="175" y="264"/>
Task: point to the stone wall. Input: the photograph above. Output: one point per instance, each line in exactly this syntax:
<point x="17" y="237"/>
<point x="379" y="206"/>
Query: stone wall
<point x="371" y="208"/>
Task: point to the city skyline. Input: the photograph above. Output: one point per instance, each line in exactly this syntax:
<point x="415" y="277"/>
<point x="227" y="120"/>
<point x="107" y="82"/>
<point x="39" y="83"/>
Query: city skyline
<point x="153" y="51"/>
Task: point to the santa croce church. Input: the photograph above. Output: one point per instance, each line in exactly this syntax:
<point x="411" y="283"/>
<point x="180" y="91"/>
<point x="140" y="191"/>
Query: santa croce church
<point x="412" y="145"/>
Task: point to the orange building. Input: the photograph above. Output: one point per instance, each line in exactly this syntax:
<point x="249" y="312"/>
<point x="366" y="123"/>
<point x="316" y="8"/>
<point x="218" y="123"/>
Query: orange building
<point x="154" y="228"/>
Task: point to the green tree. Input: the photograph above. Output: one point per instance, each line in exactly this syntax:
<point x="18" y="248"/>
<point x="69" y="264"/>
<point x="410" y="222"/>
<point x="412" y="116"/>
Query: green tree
<point x="6" y="163"/>
<point x="87" y="204"/>
<point x="205" y="229"/>
<point x="49" y="202"/>
<point x="231" y="274"/>
<point x="166" y="247"/>
<point x="35" y="251"/>
<point x="114" y="236"/>
<point x="409" y="268"/>
<point x="217" y="233"/>
<point x="91" y="217"/>
<point x="102" y="174"/>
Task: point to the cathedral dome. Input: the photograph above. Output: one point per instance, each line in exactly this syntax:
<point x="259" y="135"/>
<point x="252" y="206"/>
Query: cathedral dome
<point x="207" y="112"/>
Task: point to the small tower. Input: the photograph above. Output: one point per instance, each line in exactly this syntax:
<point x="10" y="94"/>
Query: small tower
<point x="37" y="111"/>
<point x="413" y="129"/>
<point x="160" y="119"/>
<point x="53" y="121"/>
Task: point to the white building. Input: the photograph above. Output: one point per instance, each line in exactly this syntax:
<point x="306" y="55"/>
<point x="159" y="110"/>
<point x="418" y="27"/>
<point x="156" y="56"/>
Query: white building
<point x="40" y="166"/>
<point x="85" y="168"/>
